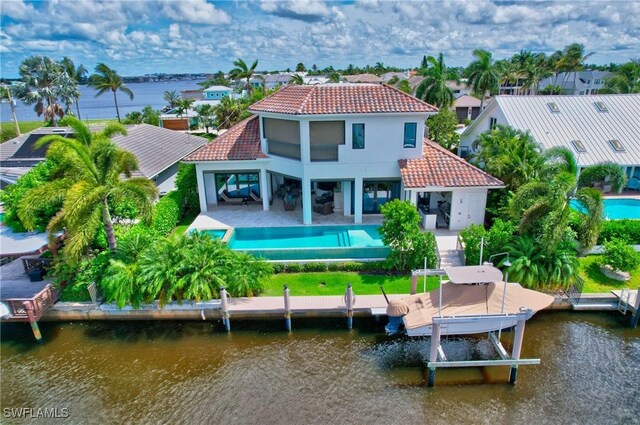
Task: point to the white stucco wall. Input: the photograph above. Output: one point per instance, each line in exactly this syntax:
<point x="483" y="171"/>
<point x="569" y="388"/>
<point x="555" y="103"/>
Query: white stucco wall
<point x="481" y="125"/>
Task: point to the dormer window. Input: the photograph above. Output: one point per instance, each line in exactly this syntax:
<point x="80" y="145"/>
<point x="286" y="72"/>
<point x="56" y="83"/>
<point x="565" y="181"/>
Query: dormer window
<point x="601" y="107"/>
<point x="553" y="107"/>
<point x="578" y="146"/>
<point x="616" y="145"/>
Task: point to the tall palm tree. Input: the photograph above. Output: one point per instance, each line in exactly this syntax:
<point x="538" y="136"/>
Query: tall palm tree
<point x="205" y="114"/>
<point x="171" y="97"/>
<point x="77" y="74"/>
<point x="296" y="79"/>
<point x="228" y="112"/>
<point x="573" y="60"/>
<point x="91" y="175"/>
<point x="483" y="75"/>
<point x="508" y="73"/>
<point x="242" y="71"/>
<point x="183" y="106"/>
<point x="433" y="88"/>
<point x="43" y="81"/>
<point x="105" y="79"/>
<point x="625" y="79"/>
<point x="534" y="72"/>
<point x="6" y="92"/>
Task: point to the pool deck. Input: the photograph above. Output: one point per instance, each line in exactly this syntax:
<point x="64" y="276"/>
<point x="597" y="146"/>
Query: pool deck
<point x="627" y="194"/>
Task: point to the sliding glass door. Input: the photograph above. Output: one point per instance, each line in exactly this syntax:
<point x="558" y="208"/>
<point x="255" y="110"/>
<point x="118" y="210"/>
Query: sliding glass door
<point x="377" y="193"/>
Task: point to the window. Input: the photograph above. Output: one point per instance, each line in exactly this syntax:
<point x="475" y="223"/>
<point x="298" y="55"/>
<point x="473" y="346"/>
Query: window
<point x="492" y="123"/>
<point x="601" y="106"/>
<point x="237" y="185"/>
<point x="464" y="151"/>
<point x="553" y="107"/>
<point x="357" y="136"/>
<point x="616" y="145"/>
<point x="581" y="93"/>
<point x="578" y="146"/>
<point x="410" y="129"/>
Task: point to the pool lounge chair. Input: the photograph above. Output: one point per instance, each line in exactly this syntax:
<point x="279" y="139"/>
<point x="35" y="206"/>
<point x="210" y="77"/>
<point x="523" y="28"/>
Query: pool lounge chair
<point x="634" y="184"/>
<point x="255" y="196"/>
<point x="225" y="196"/>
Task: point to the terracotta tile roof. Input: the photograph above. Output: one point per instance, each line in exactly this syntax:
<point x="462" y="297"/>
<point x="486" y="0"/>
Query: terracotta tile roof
<point x="440" y="168"/>
<point x="240" y="142"/>
<point x="340" y="99"/>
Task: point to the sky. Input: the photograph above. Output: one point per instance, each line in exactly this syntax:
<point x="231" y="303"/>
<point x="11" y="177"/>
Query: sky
<point x="193" y="36"/>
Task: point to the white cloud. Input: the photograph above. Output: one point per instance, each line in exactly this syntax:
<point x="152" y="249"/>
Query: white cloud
<point x="16" y="9"/>
<point x="303" y="10"/>
<point x="174" y="31"/>
<point x="195" y="12"/>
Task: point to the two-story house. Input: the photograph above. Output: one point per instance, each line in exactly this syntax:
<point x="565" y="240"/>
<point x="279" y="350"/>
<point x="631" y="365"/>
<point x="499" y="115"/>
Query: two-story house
<point x="354" y="145"/>
<point x="216" y="92"/>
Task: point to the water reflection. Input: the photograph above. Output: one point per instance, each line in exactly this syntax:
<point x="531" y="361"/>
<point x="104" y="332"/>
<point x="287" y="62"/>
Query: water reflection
<point x="192" y="372"/>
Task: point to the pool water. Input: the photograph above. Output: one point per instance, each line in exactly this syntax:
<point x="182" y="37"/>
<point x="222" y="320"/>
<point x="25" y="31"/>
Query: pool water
<point x="616" y="209"/>
<point x="217" y="233"/>
<point x="310" y="242"/>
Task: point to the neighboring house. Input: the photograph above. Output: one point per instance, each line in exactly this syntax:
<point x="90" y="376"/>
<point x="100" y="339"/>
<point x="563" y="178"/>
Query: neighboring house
<point x="171" y="120"/>
<point x="272" y="81"/>
<point x="466" y="107"/>
<point x="158" y="150"/>
<point x="362" y="78"/>
<point x="362" y="143"/>
<point x="312" y="80"/>
<point x="597" y="129"/>
<point x="414" y="82"/>
<point x="191" y="94"/>
<point x="577" y="83"/>
<point x="459" y="89"/>
<point x="388" y="76"/>
<point x="216" y="92"/>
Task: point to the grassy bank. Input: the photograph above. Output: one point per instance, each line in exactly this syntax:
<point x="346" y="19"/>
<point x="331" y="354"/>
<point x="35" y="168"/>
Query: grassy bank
<point x="8" y="132"/>
<point x="595" y="281"/>
<point x="335" y="283"/>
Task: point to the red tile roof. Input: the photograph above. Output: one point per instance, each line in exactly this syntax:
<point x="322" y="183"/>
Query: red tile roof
<point x="240" y="142"/>
<point x="440" y="168"/>
<point x="340" y="99"/>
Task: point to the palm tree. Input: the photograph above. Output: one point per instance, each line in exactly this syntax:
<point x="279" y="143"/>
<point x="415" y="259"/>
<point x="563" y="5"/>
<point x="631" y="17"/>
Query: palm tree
<point x="205" y="113"/>
<point x="433" y="88"/>
<point x="105" y="79"/>
<point x="573" y="60"/>
<point x="171" y="97"/>
<point x="43" y="81"/>
<point x="508" y="73"/>
<point x="77" y="74"/>
<point x="334" y="77"/>
<point x="534" y="72"/>
<point x="483" y="75"/>
<point x="91" y="175"/>
<point x="183" y="106"/>
<point x="296" y="79"/>
<point x="228" y="112"/>
<point x="242" y="71"/>
<point x="626" y="79"/>
<point x="6" y="93"/>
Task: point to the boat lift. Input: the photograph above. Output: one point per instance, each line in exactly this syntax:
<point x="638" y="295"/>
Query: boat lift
<point x="438" y="358"/>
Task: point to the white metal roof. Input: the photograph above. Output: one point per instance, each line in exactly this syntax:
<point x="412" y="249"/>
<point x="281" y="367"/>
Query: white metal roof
<point x="578" y="118"/>
<point x="217" y="88"/>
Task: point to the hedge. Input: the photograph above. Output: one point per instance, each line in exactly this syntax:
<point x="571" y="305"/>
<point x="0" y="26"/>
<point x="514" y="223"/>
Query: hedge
<point x="347" y="266"/>
<point x="167" y="212"/>
<point x="627" y="230"/>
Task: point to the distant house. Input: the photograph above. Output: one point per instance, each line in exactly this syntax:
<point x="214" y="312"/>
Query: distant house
<point x="172" y="120"/>
<point x="577" y="83"/>
<point x="362" y="78"/>
<point x="312" y="80"/>
<point x="388" y="76"/>
<point x="596" y="129"/>
<point x="414" y="82"/>
<point x="272" y="81"/>
<point x="216" y="92"/>
<point x="340" y="149"/>
<point x="459" y="89"/>
<point x="158" y="151"/>
<point x="466" y="107"/>
<point x="191" y="94"/>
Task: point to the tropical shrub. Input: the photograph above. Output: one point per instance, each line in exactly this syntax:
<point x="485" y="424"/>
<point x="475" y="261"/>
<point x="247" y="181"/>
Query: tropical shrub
<point x="401" y="232"/>
<point x="166" y="213"/>
<point x="13" y="195"/>
<point x="620" y="256"/>
<point x="187" y="185"/>
<point x="609" y="171"/>
<point x="627" y="230"/>
<point x="442" y="128"/>
<point x="74" y="278"/>
<point x="495" y="240"/>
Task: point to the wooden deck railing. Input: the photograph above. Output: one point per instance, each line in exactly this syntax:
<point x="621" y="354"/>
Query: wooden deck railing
<point x="31" y="309"/>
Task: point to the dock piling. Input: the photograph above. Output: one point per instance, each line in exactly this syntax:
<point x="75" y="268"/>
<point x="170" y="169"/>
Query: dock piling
<point x="636" y="313"/>
<point x="517" y="347"/>
<point x="32" y="321"/>
<point x="433" y="355"/>
<point x="287" y="308"/>
<point x="349" y="301"/>
<point x="224" y="302"/>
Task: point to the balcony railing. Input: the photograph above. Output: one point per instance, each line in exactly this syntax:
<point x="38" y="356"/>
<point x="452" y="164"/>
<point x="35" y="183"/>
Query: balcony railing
<point x="324" y="153"/>
<point x="287" y="150"/>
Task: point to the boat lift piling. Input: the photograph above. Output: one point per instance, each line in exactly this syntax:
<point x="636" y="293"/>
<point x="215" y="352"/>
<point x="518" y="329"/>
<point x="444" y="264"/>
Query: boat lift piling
<point x="287" y="309"/>
<point x="636" y="313"/>
<point x="350" y="300"/>
<point x="224" y="304"/>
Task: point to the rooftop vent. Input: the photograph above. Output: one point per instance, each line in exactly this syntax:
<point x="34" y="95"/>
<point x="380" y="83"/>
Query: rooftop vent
<point x="578" y="146"/>
<point x="601" y="107"/>
<point x="616" y="145"/>
<point x="553" y="107"/>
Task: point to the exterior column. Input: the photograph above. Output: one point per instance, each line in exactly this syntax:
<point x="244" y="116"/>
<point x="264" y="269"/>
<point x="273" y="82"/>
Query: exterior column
<point x="414" y="198"/>
<point x="264" y="189"/>
<point x="346" y="197"/>
<point x="201" y="190"/>
<point x="305" y="142"/>
<point x="357" y="208"/>
<point x="306" y="201"/>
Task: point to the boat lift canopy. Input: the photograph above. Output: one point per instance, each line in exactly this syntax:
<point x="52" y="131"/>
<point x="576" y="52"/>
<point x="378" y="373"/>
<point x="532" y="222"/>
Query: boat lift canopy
<point x="473" y="274"/>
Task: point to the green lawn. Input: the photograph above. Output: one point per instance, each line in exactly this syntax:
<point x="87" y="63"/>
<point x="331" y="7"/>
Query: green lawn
<point x="595" y="281"/>
<point x="7" y="129"/>
<point x="183" y="225"/>
<point x="335" y="283"/>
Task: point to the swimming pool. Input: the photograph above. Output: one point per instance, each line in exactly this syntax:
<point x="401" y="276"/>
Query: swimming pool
<point x="310" y="242"/>
<point x="616" y="209"/>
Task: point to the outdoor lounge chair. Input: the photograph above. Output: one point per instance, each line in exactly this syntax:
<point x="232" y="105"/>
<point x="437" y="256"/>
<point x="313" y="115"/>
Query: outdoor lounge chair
<point x="255" y="196"/>
<point x="634" y="184"/>
<point x="225" y="196"/>
<point x="324" y="209"/>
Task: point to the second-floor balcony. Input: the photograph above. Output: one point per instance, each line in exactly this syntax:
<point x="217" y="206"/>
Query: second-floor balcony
<point x="319" y="153"/>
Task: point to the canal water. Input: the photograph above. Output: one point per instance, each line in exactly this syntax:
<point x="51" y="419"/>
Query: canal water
<point x="192" y="372"/>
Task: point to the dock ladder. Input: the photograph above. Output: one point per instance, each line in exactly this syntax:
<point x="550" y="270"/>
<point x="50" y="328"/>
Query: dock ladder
<point x="623" y="301"/>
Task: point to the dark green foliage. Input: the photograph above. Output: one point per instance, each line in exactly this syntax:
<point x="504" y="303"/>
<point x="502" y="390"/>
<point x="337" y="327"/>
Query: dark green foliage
<point x="377" y="267"/>
<point x="495" y="240"/>
<point x="166" y="213"/>
<point x="315" y="267"/>
<point x="620" y="256"/>
<point x="442" y="128"/>
<point x="627" y="230"/>
<point x="187" y="185"/>
<point x="600" y="172"/>
<point x="13" y="195"/>
<point x="75" y="278"/>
